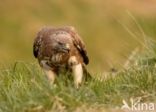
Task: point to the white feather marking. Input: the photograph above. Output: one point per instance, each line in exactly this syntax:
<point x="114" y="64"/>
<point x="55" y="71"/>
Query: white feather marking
<point x="78" y="47"/>
<point x="67" y="46"/>
<point x="56" y="58"/>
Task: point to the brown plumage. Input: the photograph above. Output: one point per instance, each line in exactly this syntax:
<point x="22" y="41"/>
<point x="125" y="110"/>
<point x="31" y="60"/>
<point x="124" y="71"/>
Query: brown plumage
<point x="61" y="48"/>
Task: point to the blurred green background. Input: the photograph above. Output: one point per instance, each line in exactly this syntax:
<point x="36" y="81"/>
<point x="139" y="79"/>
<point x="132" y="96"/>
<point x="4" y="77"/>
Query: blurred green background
<point x="105" y="26"/>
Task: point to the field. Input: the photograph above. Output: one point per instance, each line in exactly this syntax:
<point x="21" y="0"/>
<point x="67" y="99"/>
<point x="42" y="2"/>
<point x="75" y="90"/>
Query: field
<point x="120" y="39"/>
<point x="24" y="88"/>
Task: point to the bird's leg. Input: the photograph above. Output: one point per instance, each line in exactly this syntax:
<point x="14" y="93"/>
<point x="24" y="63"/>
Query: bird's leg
<point x="78" y="74"/>
<point x="77" y="70"/>
<point x="50" y="75"/>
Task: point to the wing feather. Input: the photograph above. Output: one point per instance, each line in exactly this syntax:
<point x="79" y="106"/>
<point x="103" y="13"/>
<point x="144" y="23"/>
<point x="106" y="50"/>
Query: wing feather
<point x="38" y="40"/>
<point x="79" y="44"/>
<point x="36" y="47"/>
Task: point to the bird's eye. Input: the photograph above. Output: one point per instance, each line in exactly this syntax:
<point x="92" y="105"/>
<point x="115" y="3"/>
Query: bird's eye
<point x="60" y="43"/>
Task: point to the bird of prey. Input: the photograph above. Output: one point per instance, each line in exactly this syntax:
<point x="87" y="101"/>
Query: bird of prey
<point x="61" y="48"/>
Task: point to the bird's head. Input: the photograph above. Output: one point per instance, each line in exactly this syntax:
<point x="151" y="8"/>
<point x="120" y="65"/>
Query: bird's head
<point x="62" y="42"/>
<point x="62" y="47"/>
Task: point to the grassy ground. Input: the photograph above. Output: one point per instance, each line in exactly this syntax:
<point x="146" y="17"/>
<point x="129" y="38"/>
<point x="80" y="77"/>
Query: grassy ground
<point x="24" y="88"/>
<point x="111" y="31"/>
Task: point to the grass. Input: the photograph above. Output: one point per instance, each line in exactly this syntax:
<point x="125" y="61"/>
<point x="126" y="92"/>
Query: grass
<point x="24" y="88"/>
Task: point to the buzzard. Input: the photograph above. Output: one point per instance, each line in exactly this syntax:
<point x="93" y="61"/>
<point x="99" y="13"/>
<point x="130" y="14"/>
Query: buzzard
<point x="60" y="49"/>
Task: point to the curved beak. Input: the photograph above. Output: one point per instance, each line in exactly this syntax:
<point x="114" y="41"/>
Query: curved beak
<point x="64" y="48"/>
